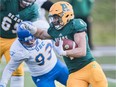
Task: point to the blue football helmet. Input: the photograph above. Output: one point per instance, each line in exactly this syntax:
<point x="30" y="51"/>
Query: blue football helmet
<point x="24" y="35"/>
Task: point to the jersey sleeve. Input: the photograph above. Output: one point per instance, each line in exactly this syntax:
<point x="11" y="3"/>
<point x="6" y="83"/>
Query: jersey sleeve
<point x="35" y="12"/>
<point x="30" y="13"/>
<point x="10" y="67"/>
<point x="79" y="25"/>
<point x="18" y="55"/>
<point x="18" y="52"/>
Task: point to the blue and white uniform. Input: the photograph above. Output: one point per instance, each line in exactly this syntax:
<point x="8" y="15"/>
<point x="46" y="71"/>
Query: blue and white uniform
<point x="44" y="67"/>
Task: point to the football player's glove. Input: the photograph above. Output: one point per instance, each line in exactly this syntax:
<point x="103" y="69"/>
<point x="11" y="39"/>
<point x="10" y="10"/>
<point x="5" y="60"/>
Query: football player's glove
<point x="29" y="26"/>
<point x="59" y="49"/>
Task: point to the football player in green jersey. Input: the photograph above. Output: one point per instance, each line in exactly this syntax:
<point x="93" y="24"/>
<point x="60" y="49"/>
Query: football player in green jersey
<point x="83" y="68"/>
<point x="83" y="9"/>
<point x="13" y="12"/>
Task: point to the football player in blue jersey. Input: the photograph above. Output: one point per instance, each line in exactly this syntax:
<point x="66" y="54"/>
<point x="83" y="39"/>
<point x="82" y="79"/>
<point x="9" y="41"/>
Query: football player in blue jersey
<point x="39" y="56"/>
<point x="13" y="12"/>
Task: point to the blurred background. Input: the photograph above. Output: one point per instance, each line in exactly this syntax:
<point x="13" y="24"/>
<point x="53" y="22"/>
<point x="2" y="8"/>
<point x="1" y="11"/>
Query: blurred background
<point x="103" y="39"/>
<point x="103" y="22"/>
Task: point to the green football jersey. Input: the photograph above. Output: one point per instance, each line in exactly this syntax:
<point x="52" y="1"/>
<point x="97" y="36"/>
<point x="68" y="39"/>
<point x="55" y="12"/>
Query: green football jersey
<point x="68" y="31"/>
<point x="11" y="14"/>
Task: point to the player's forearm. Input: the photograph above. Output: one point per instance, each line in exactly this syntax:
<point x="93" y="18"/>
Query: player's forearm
<point x="6" y="74"/>
<point x="42" y="34"/>
<point x="77" y="52"/>
<point x="36" y="31"/>
<point x="80" y="51"/>
<point x="8" y="70"/>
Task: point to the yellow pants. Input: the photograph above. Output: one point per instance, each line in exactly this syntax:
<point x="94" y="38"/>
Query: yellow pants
<point x="90" y="74"/>
<point x="5" y="45"/>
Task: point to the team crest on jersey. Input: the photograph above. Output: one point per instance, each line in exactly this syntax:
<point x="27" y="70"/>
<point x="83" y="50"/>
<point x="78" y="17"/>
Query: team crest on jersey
<point x="60" y="34"/>
<point x="12" y="53"/>
<point x="28" y="38"/>
<point x="14" y="17"/>
<point x="62" y="37"/>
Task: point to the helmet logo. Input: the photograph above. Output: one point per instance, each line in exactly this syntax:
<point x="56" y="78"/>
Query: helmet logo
<point x="28" y="38"/>
<point x="65" y="8"/>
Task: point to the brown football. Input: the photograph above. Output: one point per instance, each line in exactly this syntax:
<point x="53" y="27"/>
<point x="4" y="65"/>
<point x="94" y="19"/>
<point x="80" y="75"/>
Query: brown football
<point x="67" y="44"/>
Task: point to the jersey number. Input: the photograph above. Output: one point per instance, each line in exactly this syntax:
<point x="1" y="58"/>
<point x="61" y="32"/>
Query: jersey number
<point x="40" y="59"/>
<point x="6" y="24"/>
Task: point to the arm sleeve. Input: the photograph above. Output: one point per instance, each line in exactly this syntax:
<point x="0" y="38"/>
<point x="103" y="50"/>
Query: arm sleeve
<point x="46" y="5"/>
<point x="34" y="12"/>
<point x="30" y="13"/>
<point x="79" y="25"/>
<point x="10" y="67"/>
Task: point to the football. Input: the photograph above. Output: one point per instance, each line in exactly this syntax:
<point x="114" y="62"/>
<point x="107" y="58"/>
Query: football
<point x="67" y="44"/>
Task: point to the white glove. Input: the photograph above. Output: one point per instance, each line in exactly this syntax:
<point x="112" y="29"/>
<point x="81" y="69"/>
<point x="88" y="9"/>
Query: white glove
<point x="59" y="49"/>
<point x="28" y="26"/>
<point x="2" y="85"/>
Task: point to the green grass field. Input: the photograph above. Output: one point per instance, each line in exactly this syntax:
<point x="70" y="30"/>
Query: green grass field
<point x="103" y="34"/>
<point x="102" y="60"/>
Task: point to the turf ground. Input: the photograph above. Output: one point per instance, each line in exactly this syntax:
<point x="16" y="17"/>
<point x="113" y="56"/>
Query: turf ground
<point x="103" y="15"/>
<point x="108" y="64"/>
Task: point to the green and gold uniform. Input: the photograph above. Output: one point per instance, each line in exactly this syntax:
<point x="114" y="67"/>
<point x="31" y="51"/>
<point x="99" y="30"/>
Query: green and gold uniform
<point x="74" y="26"/>
<point x="80" y="68"/>
<point x="10" y="15"/>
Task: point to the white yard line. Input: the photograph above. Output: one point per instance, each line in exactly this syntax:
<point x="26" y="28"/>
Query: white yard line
<point x="105" y="67"/>
<point x="104" y="51"/>
<point x="99" y="51"/>
<point x="109" y="67"/>
<point x="111" y="80"/>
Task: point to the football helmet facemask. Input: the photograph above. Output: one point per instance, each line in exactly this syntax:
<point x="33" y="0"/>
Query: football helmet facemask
<point x="60" y="14"/>
<point x="24" y="36"/>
